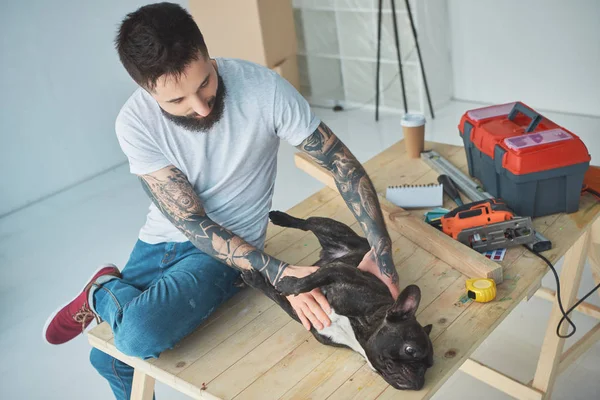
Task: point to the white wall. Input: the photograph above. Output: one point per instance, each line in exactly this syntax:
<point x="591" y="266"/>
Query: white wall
<point x="543" y="52"/>
<point x="433" y="29"/>
<point x="337" y="47"/>
<point x="61" y="87"/>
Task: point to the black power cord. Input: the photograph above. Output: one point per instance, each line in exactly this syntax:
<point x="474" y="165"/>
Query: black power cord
<point x="560" y="305"/>
<point x="592" y="191"/>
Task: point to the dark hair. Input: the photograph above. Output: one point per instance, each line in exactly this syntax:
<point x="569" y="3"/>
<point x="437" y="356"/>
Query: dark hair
<point x="158" y="39"/>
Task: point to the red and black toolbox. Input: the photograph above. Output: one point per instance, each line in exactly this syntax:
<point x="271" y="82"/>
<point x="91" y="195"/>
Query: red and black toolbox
<point x="534" y="165"/>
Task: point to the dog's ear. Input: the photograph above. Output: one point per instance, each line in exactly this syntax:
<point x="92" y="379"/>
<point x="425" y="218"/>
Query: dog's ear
<point x="406" y="305"/>
<point x="428" y="329"/>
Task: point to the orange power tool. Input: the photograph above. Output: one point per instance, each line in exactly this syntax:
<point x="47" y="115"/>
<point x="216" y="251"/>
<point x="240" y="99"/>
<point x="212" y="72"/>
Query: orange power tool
<point x="487" y="225"/>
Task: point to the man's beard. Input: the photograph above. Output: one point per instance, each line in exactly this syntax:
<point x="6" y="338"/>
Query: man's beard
<point x="192" y="123"/>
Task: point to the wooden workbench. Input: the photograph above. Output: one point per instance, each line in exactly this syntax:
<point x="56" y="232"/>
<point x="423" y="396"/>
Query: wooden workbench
<point x="250" y="349"/>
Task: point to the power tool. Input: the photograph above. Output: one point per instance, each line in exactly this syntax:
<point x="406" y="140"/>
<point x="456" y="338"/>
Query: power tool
<point x="487" y="225"/>
<point x="474" y="191"/>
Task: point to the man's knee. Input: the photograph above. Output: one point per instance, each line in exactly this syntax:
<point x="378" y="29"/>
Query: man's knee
<point x="140" y="342"/>
<point x="101" y="361"/>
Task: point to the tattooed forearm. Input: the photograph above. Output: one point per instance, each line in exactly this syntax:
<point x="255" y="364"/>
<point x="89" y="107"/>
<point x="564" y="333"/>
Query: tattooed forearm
<point x="357" y="190"/>
<point x="172" y="193"/>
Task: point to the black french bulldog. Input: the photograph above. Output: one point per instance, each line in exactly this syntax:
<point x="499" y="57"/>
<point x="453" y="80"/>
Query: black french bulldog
<point x="365" y="318"/>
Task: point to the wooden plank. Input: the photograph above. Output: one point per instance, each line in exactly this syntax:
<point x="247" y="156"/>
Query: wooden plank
<point x="433" y="283"/>
<point x="459" y="256"/>
<point x="500" y="381"/>
<point x="101" y="332"/>
<point x="534" y="290"/>
<point x="236" y="347"/>
<point x="365" y="384"/>
<point x="588" y="309"/>
<point x="445" y="309"/>
<point x="465" y="260"/>
<point x="322" y="381"/>
<point x="413" y="267"/>
<point x="142" y="387"/>
<point x="204" y="340"/>
<point x="402" y="249"/>
<point x="568" y="228"/>
<point x="579" y="348"/>
<point x="594" y="251"/>
<point x="176" y="383"/>
<point x="593" y="336"/>
<point x="263" y="357"/>
<point x="288" y="372"/>
<point x="552" y="347"/>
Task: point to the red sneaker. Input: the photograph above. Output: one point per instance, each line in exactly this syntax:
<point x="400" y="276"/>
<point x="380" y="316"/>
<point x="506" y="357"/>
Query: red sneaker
<point x="70" y="320"/>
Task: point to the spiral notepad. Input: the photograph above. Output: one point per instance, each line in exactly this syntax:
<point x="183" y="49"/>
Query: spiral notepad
<point x="416" y="196"/>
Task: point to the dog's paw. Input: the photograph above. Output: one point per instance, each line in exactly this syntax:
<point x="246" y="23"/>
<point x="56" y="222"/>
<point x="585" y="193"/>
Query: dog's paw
<point x="239" y="282"/>
<point x="287" y="286"/>
<point x="279" y="218"/>
<point x="253" y="278"/>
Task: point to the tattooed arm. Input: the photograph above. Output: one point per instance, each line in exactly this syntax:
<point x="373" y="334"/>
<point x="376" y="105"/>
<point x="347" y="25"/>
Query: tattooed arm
<point x="357" y="190"/>
<point x="173" y="194"/>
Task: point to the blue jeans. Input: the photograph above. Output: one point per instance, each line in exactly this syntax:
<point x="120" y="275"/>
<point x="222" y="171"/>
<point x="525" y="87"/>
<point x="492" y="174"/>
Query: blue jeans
<point x="165" y="293"/>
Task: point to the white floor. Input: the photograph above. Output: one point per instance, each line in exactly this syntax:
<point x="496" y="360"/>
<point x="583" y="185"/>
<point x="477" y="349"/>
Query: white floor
<point x="49" y="249"/>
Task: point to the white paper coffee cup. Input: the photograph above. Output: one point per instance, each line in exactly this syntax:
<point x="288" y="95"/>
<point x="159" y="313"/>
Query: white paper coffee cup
<point x="413" y="129"/>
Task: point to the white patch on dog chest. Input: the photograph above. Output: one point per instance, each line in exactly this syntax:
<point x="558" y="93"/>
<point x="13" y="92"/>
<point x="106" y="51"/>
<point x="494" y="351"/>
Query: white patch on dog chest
<point x="340" y="331"/>
<point x="340" y="253"/>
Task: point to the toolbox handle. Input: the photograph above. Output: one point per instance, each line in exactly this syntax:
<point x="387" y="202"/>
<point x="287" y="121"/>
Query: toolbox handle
<point x="520" y="108"/>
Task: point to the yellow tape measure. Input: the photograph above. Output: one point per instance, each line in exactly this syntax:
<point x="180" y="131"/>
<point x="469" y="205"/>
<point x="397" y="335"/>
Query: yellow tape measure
<point x="481" y="290"/>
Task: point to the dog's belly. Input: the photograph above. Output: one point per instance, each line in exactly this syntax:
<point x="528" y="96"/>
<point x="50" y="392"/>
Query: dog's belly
<point x="340" y="331"/>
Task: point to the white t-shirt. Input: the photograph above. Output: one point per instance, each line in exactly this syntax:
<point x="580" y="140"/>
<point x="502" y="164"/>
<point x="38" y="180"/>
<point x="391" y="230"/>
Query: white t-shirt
<point x="232" y="166"/>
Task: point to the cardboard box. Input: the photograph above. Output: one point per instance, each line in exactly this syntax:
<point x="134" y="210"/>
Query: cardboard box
<point x="261" y="31"/>
<point x="288" y="69"/>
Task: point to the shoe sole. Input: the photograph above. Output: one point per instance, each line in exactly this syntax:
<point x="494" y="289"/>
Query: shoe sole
<point x="51" y="317"/>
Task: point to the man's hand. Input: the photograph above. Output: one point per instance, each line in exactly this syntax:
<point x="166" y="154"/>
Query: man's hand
<point x="311" y="307"/>
<point x="369" y="264"/>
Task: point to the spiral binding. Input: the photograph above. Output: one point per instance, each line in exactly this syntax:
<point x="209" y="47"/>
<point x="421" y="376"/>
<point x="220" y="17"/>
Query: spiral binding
<point x="414" y="186"/>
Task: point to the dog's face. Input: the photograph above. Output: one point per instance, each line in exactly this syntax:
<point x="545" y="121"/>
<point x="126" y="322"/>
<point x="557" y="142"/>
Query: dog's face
<point x="400" y="349"/>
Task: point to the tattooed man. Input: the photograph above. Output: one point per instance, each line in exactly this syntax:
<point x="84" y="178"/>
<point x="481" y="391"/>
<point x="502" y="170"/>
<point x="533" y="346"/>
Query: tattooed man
<point x="202" y="134"/>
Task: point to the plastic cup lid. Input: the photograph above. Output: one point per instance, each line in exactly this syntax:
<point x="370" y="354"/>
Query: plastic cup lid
<point x="413" y="120"/>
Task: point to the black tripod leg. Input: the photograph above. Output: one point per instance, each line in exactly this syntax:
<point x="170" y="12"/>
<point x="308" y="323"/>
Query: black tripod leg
<point x="378" y="61"/>
<point x="412" y="25"/>
<point x="397" y="40"/>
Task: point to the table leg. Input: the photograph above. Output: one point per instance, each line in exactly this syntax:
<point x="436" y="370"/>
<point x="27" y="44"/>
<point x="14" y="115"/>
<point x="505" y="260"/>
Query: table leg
<point x="552" y="348"/>
<point x="143" y="386"/>
<point x="594" y="251"/>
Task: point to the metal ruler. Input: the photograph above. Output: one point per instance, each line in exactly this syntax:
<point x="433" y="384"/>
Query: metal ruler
<point x="473" y="191"/>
